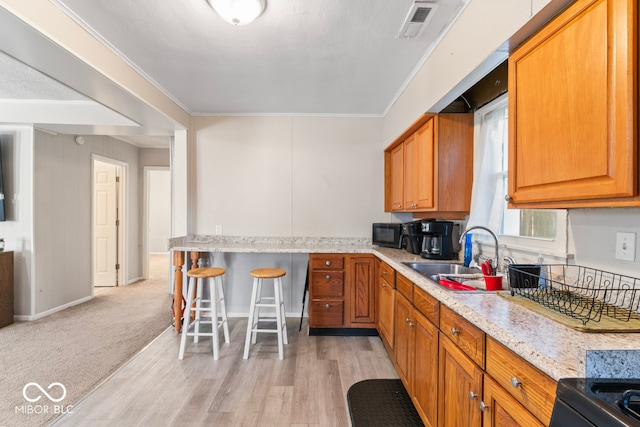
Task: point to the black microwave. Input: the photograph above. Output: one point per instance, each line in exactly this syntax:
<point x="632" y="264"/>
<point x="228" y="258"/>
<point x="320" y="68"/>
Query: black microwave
<point x="388" y="235"/>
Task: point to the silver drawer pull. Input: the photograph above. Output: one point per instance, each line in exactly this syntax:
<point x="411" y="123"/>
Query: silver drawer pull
<point x="328" y="262"/>
<point x="472" y="395"/>
<point x="454" y="331"/>
<point x="483" y="406"/>
<point x="328" y="277"/>
<point x="327" y="306"/>
<point x="407" y="320"/>
<point x="514" y="382"/>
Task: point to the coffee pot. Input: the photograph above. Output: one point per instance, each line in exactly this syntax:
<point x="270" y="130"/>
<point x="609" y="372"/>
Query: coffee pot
<point x="438" y="240"/>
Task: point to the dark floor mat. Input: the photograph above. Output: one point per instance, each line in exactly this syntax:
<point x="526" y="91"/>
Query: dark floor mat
<point x="381" y="403"/>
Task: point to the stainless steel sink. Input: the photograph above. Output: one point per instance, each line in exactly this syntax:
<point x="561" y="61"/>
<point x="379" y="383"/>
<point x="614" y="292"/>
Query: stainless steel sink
<point x="429" y="269"/>
<point x="433" y="271"/>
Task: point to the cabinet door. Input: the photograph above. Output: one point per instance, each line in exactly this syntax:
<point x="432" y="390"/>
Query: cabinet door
<point x="361" y="283"/>
<point x="425" y="369"/>
<point x="386" y="311"/>
<point x="425" y="167"/>
<point x="573" y="106"/>
<point x="502" y="410"/>
<point x="459" y="387"/>
<point x="397" y="178"/>
<point x="419" y="169"/>
<point x="403" y="339"/>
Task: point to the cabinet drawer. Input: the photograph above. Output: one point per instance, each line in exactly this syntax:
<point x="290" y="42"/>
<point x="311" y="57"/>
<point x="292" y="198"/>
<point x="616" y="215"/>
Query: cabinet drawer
<point x="327" y="262"/>
<point x="427" y="305"/>
<point x="405" y="287"/>
<point x="327" y="284"/>
<point x="469" y="338"/>
<point x="531" y="387"/>
<point x="387" y="274"/>
<point x="326" y="314"/>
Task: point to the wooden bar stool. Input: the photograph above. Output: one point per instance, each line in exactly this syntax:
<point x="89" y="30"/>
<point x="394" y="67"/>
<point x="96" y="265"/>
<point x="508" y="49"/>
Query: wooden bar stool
<point x="258" y="301"/>
<point x="216" y="297"/>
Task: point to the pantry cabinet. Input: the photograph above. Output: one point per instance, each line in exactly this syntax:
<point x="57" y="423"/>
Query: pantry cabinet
<point x="341" y="292"/>
<point x="573" y="109"/>
<point x="429" y="168"/>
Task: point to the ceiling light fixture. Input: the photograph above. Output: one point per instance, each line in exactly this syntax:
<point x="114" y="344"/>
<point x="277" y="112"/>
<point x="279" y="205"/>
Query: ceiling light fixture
<point x="238" y="12"/>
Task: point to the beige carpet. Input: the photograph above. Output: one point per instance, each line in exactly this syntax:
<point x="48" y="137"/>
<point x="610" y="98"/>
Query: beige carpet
<point x="79" y="347"/>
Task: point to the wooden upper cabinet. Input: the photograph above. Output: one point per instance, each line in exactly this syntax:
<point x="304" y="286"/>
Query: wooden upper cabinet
<point x="418" y="168"/>
<point x="396" y="178"/>
<point x="429" y="168"/>
<point x="573" y="96"/>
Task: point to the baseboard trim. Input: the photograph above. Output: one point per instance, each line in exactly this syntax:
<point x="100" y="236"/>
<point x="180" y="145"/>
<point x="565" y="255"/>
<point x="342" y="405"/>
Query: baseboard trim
<point x="344" y="332"/>
<point x="28" y="318"/>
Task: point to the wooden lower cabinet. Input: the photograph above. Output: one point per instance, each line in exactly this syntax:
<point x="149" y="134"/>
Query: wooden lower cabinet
<point x="341" y="291"/>
<point x="425" y="369"/>
<point x="502" y="410"/>
<point x="386" y="302"/>
<point x="403" y="339"/>
<point x="459" y="387"/>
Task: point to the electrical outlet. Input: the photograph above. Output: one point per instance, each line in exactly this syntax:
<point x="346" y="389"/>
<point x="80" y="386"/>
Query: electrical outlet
<point x="218" y="230"/>
<point x="626" y="246"/>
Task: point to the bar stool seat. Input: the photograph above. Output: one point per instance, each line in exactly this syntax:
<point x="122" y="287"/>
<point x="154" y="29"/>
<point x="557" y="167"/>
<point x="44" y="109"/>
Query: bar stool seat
<point x="195" y="305"/>
<point x="258" y="302"/>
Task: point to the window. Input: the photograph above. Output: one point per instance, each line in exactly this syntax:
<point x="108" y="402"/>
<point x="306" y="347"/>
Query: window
<point x="541" y="230"/>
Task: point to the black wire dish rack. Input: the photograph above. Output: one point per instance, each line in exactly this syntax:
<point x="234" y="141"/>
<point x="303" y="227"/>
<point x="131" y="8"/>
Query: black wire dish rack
<point x="579" y="292"/>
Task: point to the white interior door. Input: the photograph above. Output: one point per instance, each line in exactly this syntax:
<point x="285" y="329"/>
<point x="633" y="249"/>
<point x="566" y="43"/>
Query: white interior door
<point x="105" y="245"/>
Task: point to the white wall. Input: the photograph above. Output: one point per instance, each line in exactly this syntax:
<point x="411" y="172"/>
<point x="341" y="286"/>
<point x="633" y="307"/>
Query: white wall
<point x="287" y="176"/>
<point x="159" y="210"/>
<point x="16" y="143"/>
<point x="592" y="235"/>
<point x="62" y="220"/>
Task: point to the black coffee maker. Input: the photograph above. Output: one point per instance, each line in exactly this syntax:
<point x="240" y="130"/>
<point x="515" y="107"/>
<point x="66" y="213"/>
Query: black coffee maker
<point x="438" y="240"/>
<point x="412" y="237"/>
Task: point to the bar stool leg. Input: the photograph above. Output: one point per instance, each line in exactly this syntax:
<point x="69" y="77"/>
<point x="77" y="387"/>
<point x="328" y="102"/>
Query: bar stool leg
<point x="256" y="315"/>
<point x="282" y="313"/>
<point x="250" y="326"/>
<point x="277" y="293"/>
<point x="198" y="317"/>
<point x="214" y="318"/>
<point x="187" y="318"/>
<point x="223" y="309"/>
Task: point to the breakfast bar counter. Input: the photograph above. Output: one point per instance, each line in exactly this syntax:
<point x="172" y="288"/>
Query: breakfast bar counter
<point x="555" y="349"/>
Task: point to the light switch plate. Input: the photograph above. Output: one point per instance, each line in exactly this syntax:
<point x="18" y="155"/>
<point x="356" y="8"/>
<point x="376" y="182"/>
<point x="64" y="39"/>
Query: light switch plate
<point x="218" y="230"/>
<point x="626" y="246"/>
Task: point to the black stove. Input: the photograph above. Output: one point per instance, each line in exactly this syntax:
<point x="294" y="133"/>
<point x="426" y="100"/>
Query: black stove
<point x="597" y="402"/>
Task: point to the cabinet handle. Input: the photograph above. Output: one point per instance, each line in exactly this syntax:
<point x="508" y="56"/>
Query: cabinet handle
<point x="327" y="306"/>
<point x="328" y="277"/>
<point x="407" y="320"/>
<point x="384" y="272"/>
<point x="411" y="325"/>
<point x="454" y="331"/>
<point x="483" y="406"/>
<point x="384" y="284"/>
<point x="472" y="395"/>
<point x="514" y="382"/>
<point x="508" y="198"/>
<point x="327" y="262"/>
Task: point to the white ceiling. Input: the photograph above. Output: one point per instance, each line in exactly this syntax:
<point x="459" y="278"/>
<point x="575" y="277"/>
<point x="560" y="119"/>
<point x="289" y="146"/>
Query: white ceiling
<point x="300" y="57"/>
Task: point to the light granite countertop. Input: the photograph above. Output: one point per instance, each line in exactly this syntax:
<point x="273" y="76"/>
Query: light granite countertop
<point x="555" y="349"/>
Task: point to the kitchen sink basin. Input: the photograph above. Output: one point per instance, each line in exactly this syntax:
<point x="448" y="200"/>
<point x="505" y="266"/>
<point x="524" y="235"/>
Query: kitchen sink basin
<point x="429" y="269"/>
<point x="456" y="282"/>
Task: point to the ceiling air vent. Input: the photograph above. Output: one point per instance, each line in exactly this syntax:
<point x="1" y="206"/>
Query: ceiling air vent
<point x="417" y="19"/>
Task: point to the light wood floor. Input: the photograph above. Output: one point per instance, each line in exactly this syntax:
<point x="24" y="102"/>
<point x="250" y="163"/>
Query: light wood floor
<point x="308" y="387"/>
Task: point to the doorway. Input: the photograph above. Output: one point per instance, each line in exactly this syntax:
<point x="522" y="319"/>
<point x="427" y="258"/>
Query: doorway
<point x="157" y="220"/>
<point x="107" y="221"/>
